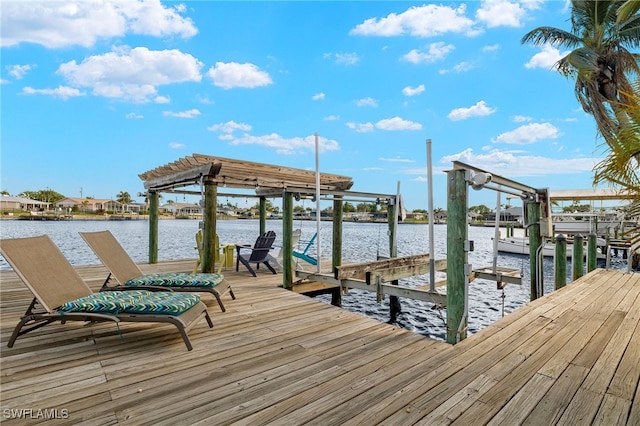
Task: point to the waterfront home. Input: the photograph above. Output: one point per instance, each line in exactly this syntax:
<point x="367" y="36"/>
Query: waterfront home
<point x="9" y="203"/>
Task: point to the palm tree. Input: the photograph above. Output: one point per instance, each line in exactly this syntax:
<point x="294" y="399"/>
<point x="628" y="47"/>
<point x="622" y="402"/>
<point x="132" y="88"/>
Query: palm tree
<point x="123" y="198"/>
<point x="599" y="61"/>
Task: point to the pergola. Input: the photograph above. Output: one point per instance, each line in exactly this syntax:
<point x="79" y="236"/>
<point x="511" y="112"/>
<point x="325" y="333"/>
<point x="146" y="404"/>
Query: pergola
<point x="209" y="173"/>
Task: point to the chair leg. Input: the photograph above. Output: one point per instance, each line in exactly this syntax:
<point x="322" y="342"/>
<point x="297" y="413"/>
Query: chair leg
<point x="248" y="265"/>
<point x="270" y="267"/>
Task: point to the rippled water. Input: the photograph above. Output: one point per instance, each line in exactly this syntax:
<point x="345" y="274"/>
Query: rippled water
<point x="362" y="242"/>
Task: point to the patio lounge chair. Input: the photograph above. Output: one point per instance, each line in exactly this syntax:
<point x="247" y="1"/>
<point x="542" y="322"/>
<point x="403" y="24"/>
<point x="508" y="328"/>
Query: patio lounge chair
<point x="259" y="253"/>
<point x="128" y="274"/>
<point x="64" y="296"/>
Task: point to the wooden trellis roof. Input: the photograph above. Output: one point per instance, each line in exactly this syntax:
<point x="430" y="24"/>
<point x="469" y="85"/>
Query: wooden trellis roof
<point x="231" y="173"/>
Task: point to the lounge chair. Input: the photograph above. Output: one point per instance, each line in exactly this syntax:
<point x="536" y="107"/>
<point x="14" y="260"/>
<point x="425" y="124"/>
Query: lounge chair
<point x="64" y="296"/>
<point x="276" y="257"/>
<point x="128" y="274"/>
<point x="304" y="255"/>
<point x="259" y="253"/>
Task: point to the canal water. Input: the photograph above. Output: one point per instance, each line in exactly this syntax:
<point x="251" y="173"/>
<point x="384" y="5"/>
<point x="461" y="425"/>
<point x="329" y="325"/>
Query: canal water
<point x="363" y="242"/>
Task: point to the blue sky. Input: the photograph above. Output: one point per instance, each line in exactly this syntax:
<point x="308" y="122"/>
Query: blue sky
<point x="95" y="93"/>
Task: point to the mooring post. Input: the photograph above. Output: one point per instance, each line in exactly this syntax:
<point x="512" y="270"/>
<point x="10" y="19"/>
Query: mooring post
<point x="561" y="261"/>
<point x="153" y="226"/>
<point x="394" y="302"/>
<point x="578" y="256"/>
<point x="535" y="241"/>
<point x="592" y="252"/>
<point x="209" y="231"/>
<point x="456" y="255"/>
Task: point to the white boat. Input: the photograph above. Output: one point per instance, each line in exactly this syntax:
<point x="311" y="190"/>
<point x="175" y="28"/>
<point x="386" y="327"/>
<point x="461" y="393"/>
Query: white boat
<point x="520" y="245"/>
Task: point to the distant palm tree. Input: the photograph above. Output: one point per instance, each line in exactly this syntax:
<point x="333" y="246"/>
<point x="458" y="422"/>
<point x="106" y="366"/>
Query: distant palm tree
<point x="599" y="61"/>
<point x="123" y="198"/>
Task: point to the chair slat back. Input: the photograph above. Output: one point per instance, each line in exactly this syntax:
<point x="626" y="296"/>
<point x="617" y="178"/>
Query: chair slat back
<point x="261" y="248"/>
<point x="45" y="271"/>
<point x="112" y="255"/>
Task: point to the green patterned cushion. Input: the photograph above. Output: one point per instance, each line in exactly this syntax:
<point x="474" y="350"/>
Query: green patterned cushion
<point x="178" y="280"/>
<point x="133" y="302"/>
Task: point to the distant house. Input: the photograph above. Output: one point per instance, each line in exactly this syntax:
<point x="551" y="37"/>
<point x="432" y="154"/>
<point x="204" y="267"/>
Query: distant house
<point x="440" y="217"/>
<point x="8" y="202"/>
<point x="89" y="204"/>
<point x="182" y="209"/>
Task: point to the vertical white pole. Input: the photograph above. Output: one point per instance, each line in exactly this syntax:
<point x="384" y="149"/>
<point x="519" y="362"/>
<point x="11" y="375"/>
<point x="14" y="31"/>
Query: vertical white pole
<point x="432" y="260"/>
<point x="318" y="239"/>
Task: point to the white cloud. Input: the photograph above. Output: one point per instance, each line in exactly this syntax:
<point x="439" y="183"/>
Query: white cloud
<point x="318" y="96"/>
<point x="419" y="21"/>
<point x="504" y="13"/>
<point x="288" y="146"/>
<point x="389" y="124"/>
<point x="413" y="91"/>
<point x="231" y="75"/>
<point x="518" y="164"/>
<point x="57" y="24"/>
<point x="435" y="52"/>
<point x="480" y="109"/>
<point x="397" y="123"/>
<point x="63" y="92"/>
<point x="4" y="81"/>
<point x="458" y="68"/>
<point x="133" y="115"/>
<point x="529" y="133"/>
<point x="229" y="127"/>
<point x="176" y="145"/>
<point x="547" y="58"/>
<point x="367" y="102"/>
<point x="18" y="71"/>
<point x="347" y="58"/>
<point x="192" y="113"/>
<point x="132" y="74"/>
<point x="361" y="127"/>
<point x="332" y="118"/>
<point x="397" y="160"/>
<point x="521" y="118"/>
<point x="491" y="48"/>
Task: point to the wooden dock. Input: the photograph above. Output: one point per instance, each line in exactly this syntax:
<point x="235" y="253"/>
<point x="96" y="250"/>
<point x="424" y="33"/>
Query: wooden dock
<point x="278" y="357"/>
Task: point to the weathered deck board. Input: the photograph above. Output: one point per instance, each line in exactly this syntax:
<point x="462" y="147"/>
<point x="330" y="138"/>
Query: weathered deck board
<point x="278" y="357"/>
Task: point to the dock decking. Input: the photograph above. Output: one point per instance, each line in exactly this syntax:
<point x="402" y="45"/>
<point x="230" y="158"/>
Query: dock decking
<point x="569" y="358"/>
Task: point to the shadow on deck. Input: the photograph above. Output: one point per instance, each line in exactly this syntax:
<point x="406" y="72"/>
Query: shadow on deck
<point x="279" y="357"/>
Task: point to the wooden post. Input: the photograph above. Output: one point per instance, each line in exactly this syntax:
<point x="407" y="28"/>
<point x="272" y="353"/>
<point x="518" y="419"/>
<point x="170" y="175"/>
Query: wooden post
<point x="535" y="241"/>
<point x="578" y="256"/>
<point x="456" y="255"/>
<point x="263" y="215"/>
<point x="394" y="302"/>
<point x="209" y="231"/>
<point x="592" y="252"/>
<point x="287" y="240"/>
<point x="336" y="249"/>
<point x="153" y="226"/>
<point x="561" y="261"/>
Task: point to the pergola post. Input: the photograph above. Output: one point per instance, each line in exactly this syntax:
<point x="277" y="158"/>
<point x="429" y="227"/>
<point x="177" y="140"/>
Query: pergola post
<point x="287" y="240"/>
<point x="153" y="226"/>
<point x="209" y="231"/>
<point x="336" y="248"/>
<point x="263" y="215"/>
